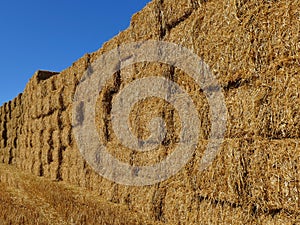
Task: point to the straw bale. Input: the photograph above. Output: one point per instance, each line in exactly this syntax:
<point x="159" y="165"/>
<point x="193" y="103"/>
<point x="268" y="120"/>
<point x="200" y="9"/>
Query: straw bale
<point x="79" y="171"/>
<point x="96" y="181"/>
<point x="32" y="111"/>
<point x="179" y="200"/>
<point x="7" y="109"/>
<point x="55" y="100"/>
<point x="42" y="76"/>
<point x="36" y="139"/>
<point x="56" y="140"/>
<point x="253" y="109"/>
<point x="67" y="163"/>
<point x="235" y="48"/>
<point x="37" y="168"/>
<point x="46" y="171"/>
<point x="47" y="151"/>
<point x="2" y="155"/>
<point x="76" y="170"/>
<point x="13" y="103"/>
<point x="53" y="120"/>
<point x="175" y="13"/>
<point x="48" y="120"/>
<point x="39" y="125"/>
<point x="252" y="48"/>
<point x="208" y="211"/>
<point x="2" y="143"/>
<point x="67" y="95"/>
<point x="54" y="171"/>
<point x="282" y="115"/>
<point x="2" y="123"/>
<point x="66" y="136"/>
<point x="243" y="102"/>
<point x="273" y="175"/>
<point x="56" y="83"/>
<point x="260" y="173"/>
<point x="6" y="153"/>
<point x="248" y="106"/>
<point x="38" y="111"/>
<point x="41" y="90"/>
<point x="66" y="117"/>
<point x="72" y="165"/>
<point x="17" y="110"/>
<point x="141" y="200"/>
<point x="2" y="113"/>
<point x="47" y="107"/>
<point x="150" y="28"/>
<point x="72" y="75"/>
<point x="104" y="187"/>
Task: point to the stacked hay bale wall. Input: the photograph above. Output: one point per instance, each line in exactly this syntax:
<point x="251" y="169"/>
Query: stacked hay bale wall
<point x="252" y="47"/>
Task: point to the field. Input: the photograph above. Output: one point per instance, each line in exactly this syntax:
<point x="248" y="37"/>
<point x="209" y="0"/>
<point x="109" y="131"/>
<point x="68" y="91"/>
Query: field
<point x="26" y="199"/>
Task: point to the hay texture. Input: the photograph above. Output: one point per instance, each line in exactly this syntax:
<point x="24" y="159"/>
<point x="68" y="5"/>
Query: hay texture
<point x="252" y="47"/>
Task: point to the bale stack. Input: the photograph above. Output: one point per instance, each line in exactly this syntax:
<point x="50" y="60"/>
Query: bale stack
<point x="252" y="48"/>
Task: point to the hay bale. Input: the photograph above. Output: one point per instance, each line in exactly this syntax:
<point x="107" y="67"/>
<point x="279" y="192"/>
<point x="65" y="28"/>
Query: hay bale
<point x="66" y="136"/>
<point x="150" y="28"/>
<point x="252" y="48"/>
<point x="67" y="95"/>
<point x="273" y="175"/>
<point x="55" y="100"/>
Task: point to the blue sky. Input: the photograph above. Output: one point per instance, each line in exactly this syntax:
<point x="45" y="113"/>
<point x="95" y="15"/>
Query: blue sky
<point x="52" y="34"/>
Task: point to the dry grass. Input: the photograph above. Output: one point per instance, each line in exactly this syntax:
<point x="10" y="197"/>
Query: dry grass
<point x="26" y="199"/>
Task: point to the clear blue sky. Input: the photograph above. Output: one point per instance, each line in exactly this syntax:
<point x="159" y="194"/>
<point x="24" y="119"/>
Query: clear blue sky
<point x="52" y="34"/>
